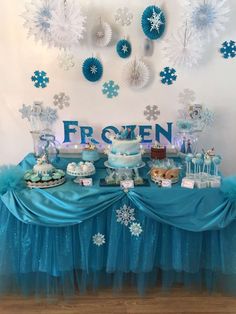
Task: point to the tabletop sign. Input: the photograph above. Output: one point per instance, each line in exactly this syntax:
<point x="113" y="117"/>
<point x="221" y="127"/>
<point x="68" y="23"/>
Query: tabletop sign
<point x="187" y="183"/>
<point x="166" y="183"/>
<point x="127" y="184"/>
<point x="86" y="182"/>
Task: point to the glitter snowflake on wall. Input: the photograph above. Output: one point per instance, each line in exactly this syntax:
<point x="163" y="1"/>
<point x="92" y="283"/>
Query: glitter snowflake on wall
<point x="37" y="18"/>
<point x="61" y="100"/>
<point x="123" y="16"/>
<point x="67" y="24"/>
<point x="168" y="76"/>
<point x="66" y="60"/>
<point x="135" y="229"/>
<point x="99" y="239"/>
<point x="125" y="215"/>
<point x="40" y="79"/>
<point x="49" y="115"/>
<point x="151" y="113"/>
<point x="187" y="97"/>
<point x="110" y="89"/>
<point x="228" y="49"/>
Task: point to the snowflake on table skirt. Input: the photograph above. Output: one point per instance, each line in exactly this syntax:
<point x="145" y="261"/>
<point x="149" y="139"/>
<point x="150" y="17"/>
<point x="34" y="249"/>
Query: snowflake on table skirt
<point x="66" y="61"/>
<point x="228" y="49"/>
<point x="136" y="74"/>
<point x="40" y="79"/>
<point x="151" y="113"/>
<point x="187" y="97"/>
<point x="67" y="24"/>
<point x="123" y="16"/>
<point x="110" y="89"/>
<point x="183" y="48"/>
<point x="37" y="18"/>
<point x="61" y="100"/>
<point x="99" y="239"/>
<point x="208" y="17"/>
<point x="168" y="76"/>
<point x="49" y="115"/>
<point x="207" y="118"/>
<point x="135" y="229"/>
<point x="102" y="34"/>
<point x="125" y="215"/>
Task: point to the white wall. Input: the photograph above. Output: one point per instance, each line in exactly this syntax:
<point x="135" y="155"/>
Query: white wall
<point x="213" y="81"/>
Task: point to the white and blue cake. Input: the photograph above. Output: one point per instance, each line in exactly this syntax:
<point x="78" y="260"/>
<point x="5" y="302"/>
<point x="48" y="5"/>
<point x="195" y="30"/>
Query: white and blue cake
<point x="90" y="153"/>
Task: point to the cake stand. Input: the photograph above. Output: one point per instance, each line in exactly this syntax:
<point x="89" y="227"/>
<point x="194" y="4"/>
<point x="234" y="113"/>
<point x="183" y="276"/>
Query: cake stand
<point x="80" y="174"/>
<point x="115" y="175"/>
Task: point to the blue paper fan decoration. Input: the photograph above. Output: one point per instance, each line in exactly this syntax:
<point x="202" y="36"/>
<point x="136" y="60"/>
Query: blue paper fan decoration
<point x="153" y="22"/>
<point x="92" y="69"/>
<point x="123" y="48"/>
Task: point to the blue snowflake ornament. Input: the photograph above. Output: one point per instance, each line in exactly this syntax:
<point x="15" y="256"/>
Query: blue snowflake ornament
<point x="25" y="112"/>
<point x="40" y="79"/>
<point x="110" y="89"/>
<point x="228" y="49"/>
<point x="153" y="22"/>
<point x="92" y="69"/>
<point x="123" y="48"/>
<point x="168" y="76"/>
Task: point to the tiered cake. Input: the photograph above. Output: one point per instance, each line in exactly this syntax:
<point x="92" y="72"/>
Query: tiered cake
<point x="125" y="152"/>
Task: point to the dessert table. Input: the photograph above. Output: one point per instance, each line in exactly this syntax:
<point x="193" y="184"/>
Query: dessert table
<point x="47" y="242"/>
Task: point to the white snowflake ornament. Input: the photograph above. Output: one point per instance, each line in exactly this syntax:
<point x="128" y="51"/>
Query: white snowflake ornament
<point x="187" y="97"/>
<point x="61" y="100"/>
<point x="123" y="16"/>
<point x="125" y="215"/>
<point x="99" y="239"/>
<point x="151" y="113"/>
<point x="135" y="229"/>
<point x="66" y="61"/>
<point x="155" y="21"/>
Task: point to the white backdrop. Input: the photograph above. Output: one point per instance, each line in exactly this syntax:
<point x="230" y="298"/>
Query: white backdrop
<point x="213" y="81"/>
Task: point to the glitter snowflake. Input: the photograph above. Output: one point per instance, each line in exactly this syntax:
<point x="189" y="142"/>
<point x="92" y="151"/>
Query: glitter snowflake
<point x="135" y="229"/>
<point x="99" y="239"/>
<point x="110" y="89"/>
<point x="125" y="215"/>
<point x="37" y="18"/>
<point x="40" y="79"/>
<point x="151" y="113"/>
<point x="61" y="100"/>
<point x="25" y="112"/>
<point x="207" y="118"/>
<point x="49" y="115"/>
<point x="66" y="61"/>
<point x="123" y="16"/>
<point x="228" y="49"/>
<point x="187" y="97"/>
<point x="155" y="21"/>
<point x="168" y="75"/>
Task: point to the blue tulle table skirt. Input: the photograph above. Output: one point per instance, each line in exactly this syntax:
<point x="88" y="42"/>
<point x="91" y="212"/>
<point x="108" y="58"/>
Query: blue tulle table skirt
<point x="193" y="242"/>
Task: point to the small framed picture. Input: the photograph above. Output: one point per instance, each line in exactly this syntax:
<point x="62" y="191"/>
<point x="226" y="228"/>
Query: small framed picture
<point x="127" y="184"/>
<point x="86" y="182"/>
<point x="166" y="183"/>
<point x="187" y="183"/>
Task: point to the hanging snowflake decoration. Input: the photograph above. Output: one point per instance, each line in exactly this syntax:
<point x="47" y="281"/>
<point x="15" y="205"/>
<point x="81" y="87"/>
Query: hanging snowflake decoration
<point x="136" y="74"/>
<point x="151" y="113"/>
<point x="187" y="97"/>
<point x="168" y="76"/>
<point x="208" y="17"/>
<point x="123" y="16"/>
<point x="66" y="61"/>
<point x="183" y="48"/>
<point x="40" y="79"/>
<point x="207" y="118"/>
<point x="61" y="100"/>
<point x="125" y="215"/>
<point x="228" y="49"/>
<point x="110" y="89"/>
<point x="25" y="112"/>
<point x="99" y="239"/>
<point x="123" y="48"/>
<point x="153" y="22"/>
<point x="92" y="69"/>
<point x="67" y="24"/>
<point x="102" y="34"/>
<point x="135" y="229"/>
<point x="49" y="115"/>
<point x="37" y="18"/>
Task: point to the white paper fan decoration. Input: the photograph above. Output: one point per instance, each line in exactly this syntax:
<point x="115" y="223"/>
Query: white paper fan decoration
<point x="102" y="34"/>
<point x="37" y="18"/>
<point x="67" y="24"/>
<point x="184" y="47"/>
<point x="208" y="17"/>
<point x="136" y="74"/>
